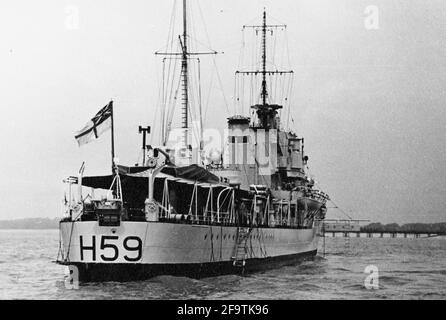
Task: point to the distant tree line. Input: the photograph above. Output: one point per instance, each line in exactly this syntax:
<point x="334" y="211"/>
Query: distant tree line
<point x="438" y="228"/>
<point x="53" y="223"/>
<point x="30" y="223"/>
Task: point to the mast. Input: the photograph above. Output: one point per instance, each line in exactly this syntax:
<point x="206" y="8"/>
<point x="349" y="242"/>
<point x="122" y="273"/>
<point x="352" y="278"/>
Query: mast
<point x="112" y="140"/>
<point x="264" y="90"/>
<point x="185" y="55"/>
<point x="266" y="112"/>
<point x="185" y="76"/>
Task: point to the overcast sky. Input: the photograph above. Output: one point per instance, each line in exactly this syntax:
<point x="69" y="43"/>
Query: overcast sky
<point x="369" y="102"/>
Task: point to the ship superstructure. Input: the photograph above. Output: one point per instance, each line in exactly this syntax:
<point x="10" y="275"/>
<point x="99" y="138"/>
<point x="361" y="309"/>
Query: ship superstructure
<point x="251" y="208"/>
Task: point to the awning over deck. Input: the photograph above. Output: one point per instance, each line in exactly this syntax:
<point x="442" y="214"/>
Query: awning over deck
<point x="181" y="186"/>
<point x="192" y="173"/>
<point x="189" y="175"/>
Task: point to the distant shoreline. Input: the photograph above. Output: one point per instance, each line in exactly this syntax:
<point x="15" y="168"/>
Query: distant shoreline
<point x="436" y="228"/>
<point x="30" y="224"/>
<point x="29" y="229"/>
<point x="53" y="223"/>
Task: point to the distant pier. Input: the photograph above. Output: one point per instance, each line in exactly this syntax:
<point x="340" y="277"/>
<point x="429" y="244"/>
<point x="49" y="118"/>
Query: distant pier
<point x="350" y="228"/>
<point x="362" y="234"/>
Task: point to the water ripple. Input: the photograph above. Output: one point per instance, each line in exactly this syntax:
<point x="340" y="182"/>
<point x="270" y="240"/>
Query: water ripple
<point x="408" y="269"/>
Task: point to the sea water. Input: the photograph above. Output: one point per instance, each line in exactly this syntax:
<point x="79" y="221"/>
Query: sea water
<point x="355" y="268"/>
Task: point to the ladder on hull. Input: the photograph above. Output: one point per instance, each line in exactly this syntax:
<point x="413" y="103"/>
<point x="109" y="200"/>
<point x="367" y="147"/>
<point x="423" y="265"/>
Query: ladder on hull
<point x="240" y="250"/>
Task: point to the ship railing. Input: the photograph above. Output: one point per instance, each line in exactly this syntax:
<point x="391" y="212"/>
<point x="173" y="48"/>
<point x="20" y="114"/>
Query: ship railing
<point x="209" y="217"/>
<point x="226" y="220"/>
<point x="213" y="217"/>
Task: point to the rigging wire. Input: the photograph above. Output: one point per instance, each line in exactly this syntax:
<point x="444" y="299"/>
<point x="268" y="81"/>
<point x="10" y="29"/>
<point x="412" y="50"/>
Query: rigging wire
<point x="161" y="98"/>
<point x="291" y="85"/>
<point x="340" y="209"/>
<point x="214" y="59"/>
<point x="199" y="105"/>
<point x="206" y="107"/>
<point x="331" y="200"/>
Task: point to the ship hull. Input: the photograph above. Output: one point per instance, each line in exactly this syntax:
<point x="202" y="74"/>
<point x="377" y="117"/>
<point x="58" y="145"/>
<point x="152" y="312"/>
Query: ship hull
<point x="141" y="250"/>
<point x="99" y="272"/>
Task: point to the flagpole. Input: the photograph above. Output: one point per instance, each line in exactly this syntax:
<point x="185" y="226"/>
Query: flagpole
<point x="112" y="140"/>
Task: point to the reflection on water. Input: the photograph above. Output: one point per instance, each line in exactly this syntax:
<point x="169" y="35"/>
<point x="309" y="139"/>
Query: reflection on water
<point x="408" y="269"/>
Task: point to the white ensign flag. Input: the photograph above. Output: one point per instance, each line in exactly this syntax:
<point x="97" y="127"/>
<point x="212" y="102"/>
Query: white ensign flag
<point x="100" y="123"/>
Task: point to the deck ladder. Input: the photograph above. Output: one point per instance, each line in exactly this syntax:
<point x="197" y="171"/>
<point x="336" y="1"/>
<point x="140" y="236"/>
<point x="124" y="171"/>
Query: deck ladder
<point x="240" y="250"/>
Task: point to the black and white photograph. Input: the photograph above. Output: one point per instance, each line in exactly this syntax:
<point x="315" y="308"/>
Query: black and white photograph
<point x="223" y="150"/>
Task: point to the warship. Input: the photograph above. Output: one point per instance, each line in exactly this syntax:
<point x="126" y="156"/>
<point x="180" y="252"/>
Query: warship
<point x="181" y="212"/>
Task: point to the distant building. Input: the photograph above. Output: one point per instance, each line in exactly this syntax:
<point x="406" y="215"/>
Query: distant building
<point x="342" y="225"/>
